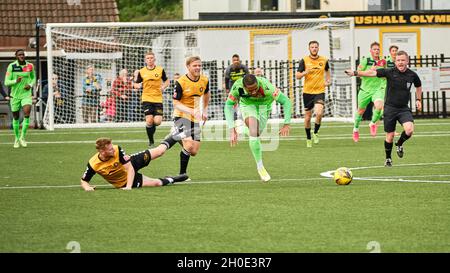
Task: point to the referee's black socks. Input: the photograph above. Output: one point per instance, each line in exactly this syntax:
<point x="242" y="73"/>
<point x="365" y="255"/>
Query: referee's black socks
<point x="388" y="149"/>
<point x="403" y="137"/>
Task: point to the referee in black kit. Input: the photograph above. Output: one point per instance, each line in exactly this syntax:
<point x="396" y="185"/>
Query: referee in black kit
<point x="399" y="82"/>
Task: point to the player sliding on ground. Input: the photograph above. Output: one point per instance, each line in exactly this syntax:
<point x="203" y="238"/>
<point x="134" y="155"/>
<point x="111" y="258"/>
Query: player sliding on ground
<point x="122" y="170"/>
<point x="255" y="96"/>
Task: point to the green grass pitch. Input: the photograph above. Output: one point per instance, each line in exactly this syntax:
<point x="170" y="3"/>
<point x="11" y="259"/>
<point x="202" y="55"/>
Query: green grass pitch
<point x="225" y="208"/>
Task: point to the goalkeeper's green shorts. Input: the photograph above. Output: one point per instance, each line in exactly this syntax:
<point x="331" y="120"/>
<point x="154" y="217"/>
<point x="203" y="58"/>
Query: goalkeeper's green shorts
<point x="17" y="104"/>
<point x="365" y="97"/>
<point x="260" y="112"/>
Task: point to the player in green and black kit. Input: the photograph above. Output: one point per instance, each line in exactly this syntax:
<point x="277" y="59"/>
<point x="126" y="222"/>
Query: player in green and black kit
<point x="255" y="96"/>
<point x="371" y="90"/>
<point x="20" y="77"/>
<point x="390" y="60"/>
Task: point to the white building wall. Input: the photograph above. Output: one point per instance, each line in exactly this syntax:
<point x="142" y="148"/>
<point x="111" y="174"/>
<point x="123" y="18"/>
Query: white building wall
<point x="191" y="8"/>
<point x="301" y="39"/>
<point x="222" y="44"/>
<point x="344" y="5"/>
<point x="237" y="5"/>
<point x="433" y="41"/>
<point x="363" y="38"/>
<point x="430" y="43"/>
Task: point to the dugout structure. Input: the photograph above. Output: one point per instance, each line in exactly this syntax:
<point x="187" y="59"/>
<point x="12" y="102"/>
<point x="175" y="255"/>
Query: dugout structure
<point x="111" y="47"/>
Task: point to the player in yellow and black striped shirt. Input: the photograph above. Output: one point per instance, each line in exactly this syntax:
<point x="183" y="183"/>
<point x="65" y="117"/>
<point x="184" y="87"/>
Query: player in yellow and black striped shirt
<point x="316" y="71"/>
<point x="190" y="89"/>
<point x="121" y="170"/>
<point x="153" y="81"/>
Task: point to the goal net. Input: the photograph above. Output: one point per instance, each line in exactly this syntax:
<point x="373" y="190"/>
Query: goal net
<point x="113" y="52"/>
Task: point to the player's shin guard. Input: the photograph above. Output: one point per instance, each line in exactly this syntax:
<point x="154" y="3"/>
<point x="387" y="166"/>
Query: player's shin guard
<point x="388" y="149"/>
<point x="358" y="119"/>
<point x="25" y="125"/>
<point x="16" y="125"/>
<point x="403" y="137"/>
<point x="376" y="115"/>
<point x="255" y="147"/>
<point x="184" y="160"/>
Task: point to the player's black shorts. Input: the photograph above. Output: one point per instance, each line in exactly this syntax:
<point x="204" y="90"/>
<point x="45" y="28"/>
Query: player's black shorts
<point x="139" y="161"/>
<point x="152" y="108"/>
<point x="191" y="128"/>
<point x="310" y="99"/>
<point x="393" y="114"/>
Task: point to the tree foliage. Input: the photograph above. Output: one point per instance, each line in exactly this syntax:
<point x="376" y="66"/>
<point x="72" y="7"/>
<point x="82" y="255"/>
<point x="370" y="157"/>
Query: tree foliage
<point x="150" y="10"/>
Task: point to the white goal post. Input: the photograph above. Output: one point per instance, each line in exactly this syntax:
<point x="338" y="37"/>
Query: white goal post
<point x="114" y="51"/>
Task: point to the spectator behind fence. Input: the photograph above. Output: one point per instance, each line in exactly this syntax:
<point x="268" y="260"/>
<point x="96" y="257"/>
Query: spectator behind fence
<point x="136" y="93"/>
<point x="233" y="73"/>
<point x="121" y="89"/>
<point x="168" y="97"/>
<point x="259" y="72"/>
<point x="109" y="108"/>
<point x="58" y="99"/>
<point x="92" y="85"/>
<point x="4" y="93"/>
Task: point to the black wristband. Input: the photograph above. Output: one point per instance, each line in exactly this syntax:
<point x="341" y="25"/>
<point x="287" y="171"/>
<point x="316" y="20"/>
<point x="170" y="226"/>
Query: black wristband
<point x="355" y="73"/>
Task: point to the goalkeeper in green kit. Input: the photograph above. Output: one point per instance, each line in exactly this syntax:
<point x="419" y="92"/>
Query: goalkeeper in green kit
<point x="255" y="96"/>
<point x="20" y="77"/>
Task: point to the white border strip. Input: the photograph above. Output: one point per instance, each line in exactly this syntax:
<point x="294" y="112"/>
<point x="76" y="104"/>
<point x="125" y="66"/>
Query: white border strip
<point x="329" y="174"/>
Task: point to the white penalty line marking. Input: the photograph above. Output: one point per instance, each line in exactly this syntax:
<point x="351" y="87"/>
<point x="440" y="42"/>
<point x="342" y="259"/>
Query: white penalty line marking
<point x="180" y="183"/>
<point x="289" y="138"/>
<point x="329" y="174"/>
<point x="119" y="130"/>
<point x="325" y="175"/>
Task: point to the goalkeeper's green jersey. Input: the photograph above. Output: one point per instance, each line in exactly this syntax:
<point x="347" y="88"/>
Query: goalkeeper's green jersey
<point x="267" y="94"/>
<point x="27" y="73"/>
<point x="372" y="84"/>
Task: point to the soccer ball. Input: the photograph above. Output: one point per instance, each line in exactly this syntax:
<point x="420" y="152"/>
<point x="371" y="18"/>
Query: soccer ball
<point x="343" y="176"/>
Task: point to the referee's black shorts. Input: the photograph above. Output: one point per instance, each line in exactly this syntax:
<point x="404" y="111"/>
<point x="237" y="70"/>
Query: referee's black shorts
<point x="393" y="114"/>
